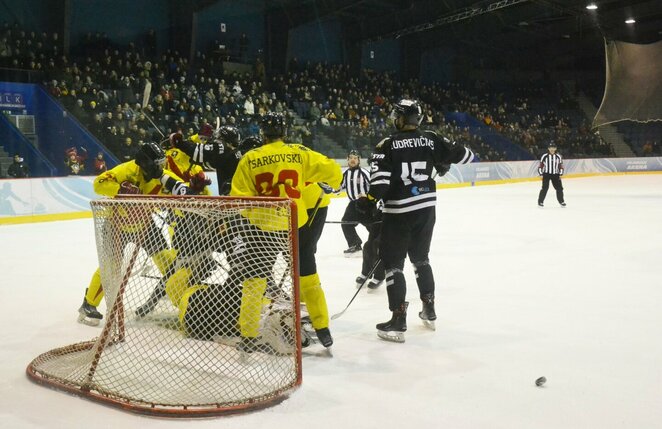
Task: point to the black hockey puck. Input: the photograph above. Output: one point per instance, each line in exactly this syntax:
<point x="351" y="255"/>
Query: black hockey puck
<point x="541" y="381"/>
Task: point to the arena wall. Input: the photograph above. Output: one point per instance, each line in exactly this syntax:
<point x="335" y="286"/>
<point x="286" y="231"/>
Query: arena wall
<point x="61" y="198"/>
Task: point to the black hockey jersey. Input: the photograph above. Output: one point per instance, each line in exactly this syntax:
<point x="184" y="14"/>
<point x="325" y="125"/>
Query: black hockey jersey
<point x="401" y="168"/>
<point x="214" y="155"/>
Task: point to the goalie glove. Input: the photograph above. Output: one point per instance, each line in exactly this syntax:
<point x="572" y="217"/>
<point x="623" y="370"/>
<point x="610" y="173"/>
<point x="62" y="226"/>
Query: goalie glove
<point x="198" y="182"/>
<point x="128" y="188"/>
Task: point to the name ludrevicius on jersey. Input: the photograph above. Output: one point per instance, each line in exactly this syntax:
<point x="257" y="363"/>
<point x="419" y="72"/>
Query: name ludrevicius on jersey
<point x="293" y="158"/>
<point x="412" y="142"/>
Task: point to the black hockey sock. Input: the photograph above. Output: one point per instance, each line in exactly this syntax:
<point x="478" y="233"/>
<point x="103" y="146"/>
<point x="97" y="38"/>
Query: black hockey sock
<point x="424" y="277"/>
<point x="396" y="288"/>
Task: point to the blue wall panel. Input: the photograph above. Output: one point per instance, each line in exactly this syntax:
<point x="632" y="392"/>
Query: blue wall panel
<point x="239" y="17"/>
<point x="35" y="14"/>
<point x="383" y="55"/>
<point x="317" y="41"/>
<point x="123" y="21"/>
<point x="437" y="65"/>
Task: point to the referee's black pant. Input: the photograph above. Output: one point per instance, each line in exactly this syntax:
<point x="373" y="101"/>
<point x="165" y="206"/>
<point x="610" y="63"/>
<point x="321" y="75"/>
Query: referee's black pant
<point x="349" y="230"/>
<point x="556" y="182"/>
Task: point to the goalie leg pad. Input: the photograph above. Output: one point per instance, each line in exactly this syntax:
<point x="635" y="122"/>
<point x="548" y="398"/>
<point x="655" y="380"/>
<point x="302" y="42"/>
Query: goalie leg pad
<point x="164" y="259"/>
<point x="251" y="306"/>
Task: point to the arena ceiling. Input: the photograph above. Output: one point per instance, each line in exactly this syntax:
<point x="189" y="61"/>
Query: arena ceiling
<point x="560" y="30"/>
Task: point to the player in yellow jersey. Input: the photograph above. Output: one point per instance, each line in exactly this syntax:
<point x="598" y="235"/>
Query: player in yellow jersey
<point x="181" y="164"/>
<point x="277" y="169"/>
<point x="144" y="175"/>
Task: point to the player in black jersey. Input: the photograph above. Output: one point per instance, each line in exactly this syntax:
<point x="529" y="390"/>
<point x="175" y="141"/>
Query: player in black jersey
<point x="401" y="175"/>
<point x="221" y="153"/>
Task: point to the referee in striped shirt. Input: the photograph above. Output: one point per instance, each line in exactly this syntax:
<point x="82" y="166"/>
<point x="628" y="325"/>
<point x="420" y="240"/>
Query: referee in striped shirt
<point x="356" y="182"/>
<point x="551" y="169"/>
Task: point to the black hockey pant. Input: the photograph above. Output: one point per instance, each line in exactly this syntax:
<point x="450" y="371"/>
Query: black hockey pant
<point x="407" y="234"/>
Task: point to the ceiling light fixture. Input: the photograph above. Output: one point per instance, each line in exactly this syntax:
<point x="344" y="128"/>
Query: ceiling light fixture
<point x="630" y="21"/>
<point x="591" y="6"/>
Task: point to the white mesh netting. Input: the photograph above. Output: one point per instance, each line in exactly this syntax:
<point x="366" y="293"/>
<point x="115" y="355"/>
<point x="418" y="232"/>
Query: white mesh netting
<point x="202" y="315"/>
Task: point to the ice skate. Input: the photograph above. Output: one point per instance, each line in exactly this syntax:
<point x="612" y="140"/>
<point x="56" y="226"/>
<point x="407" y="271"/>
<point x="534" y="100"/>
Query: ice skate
<point x="394" y="330"/>
<point x="374" y="284"/>
<point x="428" y="315"/>
<point x="256" y="345"/>
<point x="153" y="300"/>
<point x="352" y="251"/>
<point x="308" y="337"/>
<point x="541" y="205"/>
<point x="563" y="204"/>
<point x="324" y="337"/>
<point x="360" y="280"/>
<point x="89" y="315"/>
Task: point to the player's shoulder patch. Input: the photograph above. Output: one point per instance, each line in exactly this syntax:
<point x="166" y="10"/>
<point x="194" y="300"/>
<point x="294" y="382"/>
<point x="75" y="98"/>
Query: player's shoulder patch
<point x="298" y="146"/>
<point x="382" y="143"/>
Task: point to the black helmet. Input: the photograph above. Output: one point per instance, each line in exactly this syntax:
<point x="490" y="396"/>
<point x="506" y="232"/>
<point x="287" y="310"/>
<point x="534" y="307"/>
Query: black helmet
<point x="409" y="110"/>
<point x="229" y="135"/>
<point x="354" y="152"/>
<point x="151" y="159"/>
<point x="273" y="125"/>
<point x="551" y="144"/>
<point x="249" y="143"/>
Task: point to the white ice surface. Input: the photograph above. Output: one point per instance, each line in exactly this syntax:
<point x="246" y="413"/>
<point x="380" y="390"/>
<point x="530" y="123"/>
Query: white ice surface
<point x="573" y="294"/>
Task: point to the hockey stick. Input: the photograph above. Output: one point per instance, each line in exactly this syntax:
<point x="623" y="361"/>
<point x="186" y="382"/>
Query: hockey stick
<point x="315" y="209"/>
<point x="352" y="222"/>
<point x="372" y="271"/>
<point x="145" y="101"/>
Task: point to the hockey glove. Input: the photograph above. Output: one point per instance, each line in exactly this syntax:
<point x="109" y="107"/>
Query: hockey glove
<point x="367" y="209"/>
<point x="128" y="188"/>
<point x="442" y="169"/>
<point x="198" y="182"/>
<point x="175" y="187"/>
<point x="326" y="188"/>
<point x="176" y="140"/>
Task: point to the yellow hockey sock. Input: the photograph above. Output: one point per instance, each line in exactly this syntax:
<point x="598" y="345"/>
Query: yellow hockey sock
<point x="313" y="296"/>
<point x="94" y="293"/>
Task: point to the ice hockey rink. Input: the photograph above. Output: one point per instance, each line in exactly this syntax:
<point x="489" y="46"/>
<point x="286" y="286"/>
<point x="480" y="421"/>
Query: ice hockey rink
<point x="573" y="294"/>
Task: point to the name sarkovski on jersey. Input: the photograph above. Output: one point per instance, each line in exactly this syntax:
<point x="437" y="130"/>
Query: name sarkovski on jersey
<point x="293" y="158"/>
<point x="421" y="141"/>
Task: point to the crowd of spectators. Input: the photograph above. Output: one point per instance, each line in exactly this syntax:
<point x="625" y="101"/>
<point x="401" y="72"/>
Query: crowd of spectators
<point x="128" y="95"/>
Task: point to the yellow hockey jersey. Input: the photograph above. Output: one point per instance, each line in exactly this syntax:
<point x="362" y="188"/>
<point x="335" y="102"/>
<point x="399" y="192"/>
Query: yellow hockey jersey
<point x="278" y="169"/>
<point x="108" y="183"/>
<point x="180" y="163"/>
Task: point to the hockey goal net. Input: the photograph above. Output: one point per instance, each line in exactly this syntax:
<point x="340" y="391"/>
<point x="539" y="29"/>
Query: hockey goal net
<point x="202" y="308"/>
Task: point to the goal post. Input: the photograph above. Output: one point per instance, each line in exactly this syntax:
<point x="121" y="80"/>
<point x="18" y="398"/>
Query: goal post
<point x="202" y="308"/>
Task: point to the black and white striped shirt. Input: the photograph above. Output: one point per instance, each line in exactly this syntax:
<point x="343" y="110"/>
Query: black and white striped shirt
<point x="356" y="182"/>
<point x="551" y="164"/>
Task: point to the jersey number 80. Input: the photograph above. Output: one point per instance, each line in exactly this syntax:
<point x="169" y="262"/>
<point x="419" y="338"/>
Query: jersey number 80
<point x="288" y="178"/>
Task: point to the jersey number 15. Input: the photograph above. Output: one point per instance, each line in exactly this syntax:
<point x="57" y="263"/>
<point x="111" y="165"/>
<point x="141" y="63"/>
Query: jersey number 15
<point x="414" y="172"/>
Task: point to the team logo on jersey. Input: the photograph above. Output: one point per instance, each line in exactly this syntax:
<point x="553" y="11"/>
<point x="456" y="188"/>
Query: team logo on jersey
<point x="418" y="190"/>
